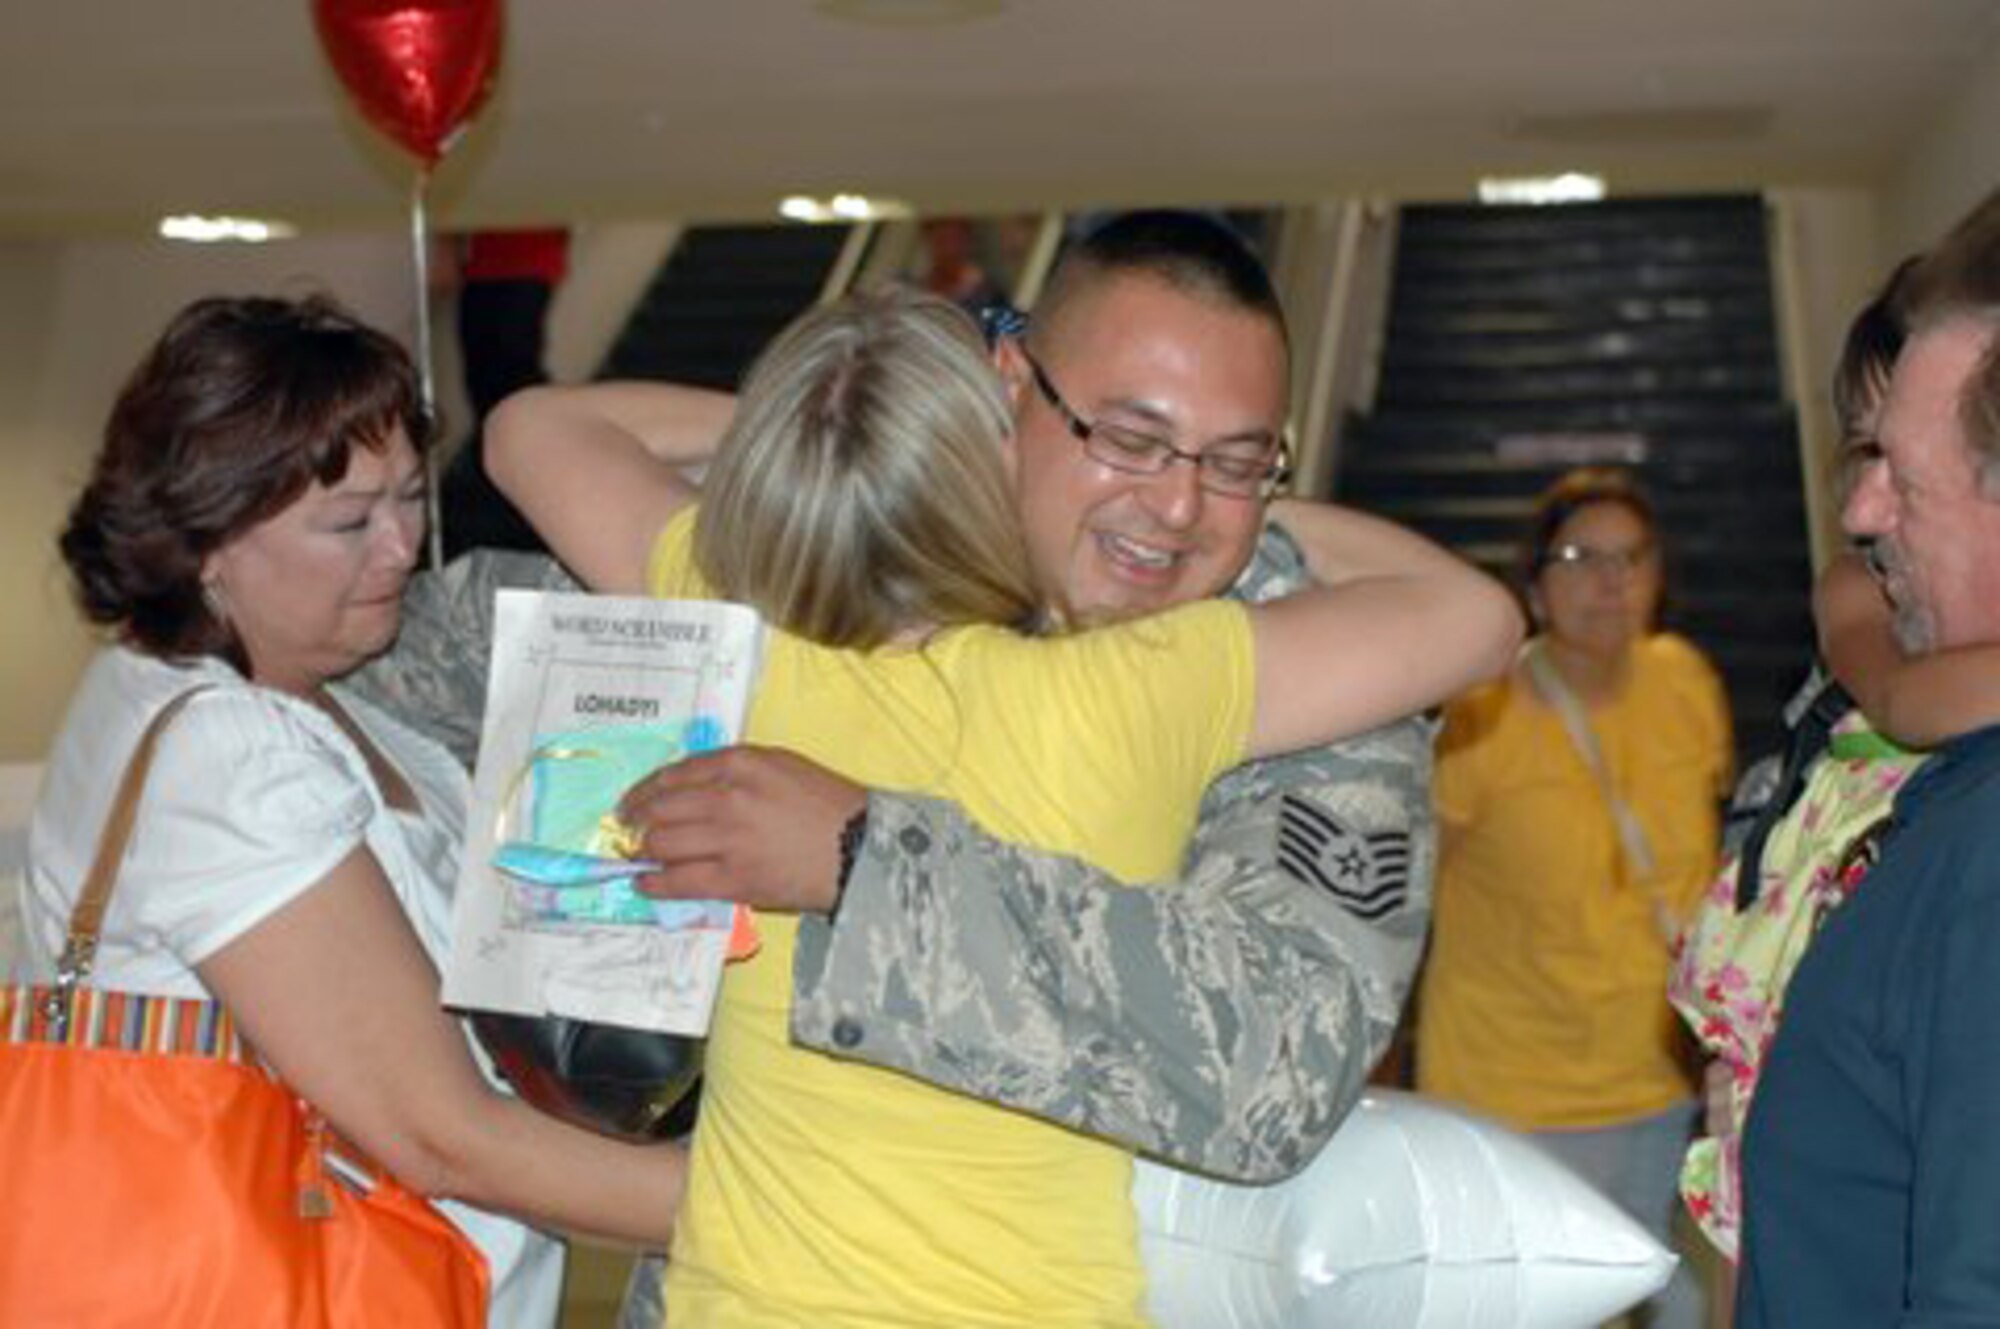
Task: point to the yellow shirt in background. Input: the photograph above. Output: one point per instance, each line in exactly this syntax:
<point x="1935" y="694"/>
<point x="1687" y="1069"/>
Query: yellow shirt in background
<point x="825" y="1193"/>
<point x="1544" y="994"/>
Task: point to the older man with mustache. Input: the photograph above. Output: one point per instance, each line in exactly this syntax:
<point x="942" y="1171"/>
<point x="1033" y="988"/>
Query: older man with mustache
<point x="1872" y="1159"/>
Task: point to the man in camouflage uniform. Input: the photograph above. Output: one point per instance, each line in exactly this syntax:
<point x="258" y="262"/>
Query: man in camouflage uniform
<point x="434" y="679"/>
<point x="1226" y="1022"/>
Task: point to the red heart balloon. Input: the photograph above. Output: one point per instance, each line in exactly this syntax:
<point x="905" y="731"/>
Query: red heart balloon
<point x="417" y="69"/>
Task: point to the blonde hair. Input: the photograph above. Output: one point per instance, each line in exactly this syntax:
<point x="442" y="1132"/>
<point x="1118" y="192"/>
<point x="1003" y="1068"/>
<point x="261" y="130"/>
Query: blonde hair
<point x="861" y="490"/>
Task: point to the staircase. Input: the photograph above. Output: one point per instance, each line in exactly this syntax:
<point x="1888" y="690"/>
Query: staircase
<point x="1523" y="341"/>
<point x="722" y="294"/>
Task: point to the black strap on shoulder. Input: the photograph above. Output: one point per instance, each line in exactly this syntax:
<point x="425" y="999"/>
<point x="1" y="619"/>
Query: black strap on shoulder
<point x="1809" y="739"/>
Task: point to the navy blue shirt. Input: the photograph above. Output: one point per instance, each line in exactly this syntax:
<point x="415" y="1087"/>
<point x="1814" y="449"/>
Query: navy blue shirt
<point x="1871" y="1160"/>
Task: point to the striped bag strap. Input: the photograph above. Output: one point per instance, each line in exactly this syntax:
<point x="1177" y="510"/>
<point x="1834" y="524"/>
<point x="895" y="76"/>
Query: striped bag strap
<point x="124" y="1022"/>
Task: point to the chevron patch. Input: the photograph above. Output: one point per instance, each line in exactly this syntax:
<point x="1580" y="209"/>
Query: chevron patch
<point x="1368" y="873"/>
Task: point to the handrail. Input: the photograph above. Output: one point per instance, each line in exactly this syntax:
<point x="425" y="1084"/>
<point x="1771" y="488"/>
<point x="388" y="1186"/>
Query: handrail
<point x="610" y="269"/>
<point x="1041" y="257"/>
<point x="1332" y="271"/>
<point x="853" y="249"/>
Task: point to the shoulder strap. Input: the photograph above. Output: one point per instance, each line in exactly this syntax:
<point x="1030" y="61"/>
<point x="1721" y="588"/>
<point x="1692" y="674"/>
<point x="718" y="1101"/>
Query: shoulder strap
<point x="1811" y="728"/>
<point x="1548" y="681"/>
<point x="86" y="920"/>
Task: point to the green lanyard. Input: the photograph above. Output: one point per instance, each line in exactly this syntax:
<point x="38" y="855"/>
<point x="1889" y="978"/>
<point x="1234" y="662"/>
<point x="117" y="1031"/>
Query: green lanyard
<point x="1864" y="745"/>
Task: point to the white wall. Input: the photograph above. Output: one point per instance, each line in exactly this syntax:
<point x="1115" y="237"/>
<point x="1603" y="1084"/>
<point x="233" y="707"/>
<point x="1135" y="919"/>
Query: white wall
<point x="74" y="319"/>
<point x="1954" y="166"/>
<point x="1829" y="264"/>
<point x="39" y="648"/>
<point x="1845" y="241"/>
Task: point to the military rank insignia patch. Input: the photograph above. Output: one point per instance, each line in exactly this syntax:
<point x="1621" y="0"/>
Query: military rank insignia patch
<point x="1369" y="873"/>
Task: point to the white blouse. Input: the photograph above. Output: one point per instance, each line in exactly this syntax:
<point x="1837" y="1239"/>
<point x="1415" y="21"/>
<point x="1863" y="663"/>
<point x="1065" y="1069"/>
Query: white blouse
<point x="253" y="798"/>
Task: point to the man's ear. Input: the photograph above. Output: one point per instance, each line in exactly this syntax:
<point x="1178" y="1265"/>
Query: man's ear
<point x="1013" y="369"/>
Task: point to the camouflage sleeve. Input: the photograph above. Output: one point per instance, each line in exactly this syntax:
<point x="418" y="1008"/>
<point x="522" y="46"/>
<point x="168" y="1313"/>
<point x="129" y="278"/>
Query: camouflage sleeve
<point x="1224" y="1023"/>
<point x="434" y="677"/>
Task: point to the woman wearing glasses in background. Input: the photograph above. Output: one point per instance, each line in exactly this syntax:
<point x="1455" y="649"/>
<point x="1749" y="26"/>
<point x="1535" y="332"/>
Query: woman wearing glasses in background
<point x="1578" y="798"/>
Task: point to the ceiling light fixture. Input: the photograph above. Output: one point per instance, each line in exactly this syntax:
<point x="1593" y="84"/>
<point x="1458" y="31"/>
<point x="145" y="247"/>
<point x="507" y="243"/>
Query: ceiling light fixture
<point x="843" y="208"/>
<point x="1569" y="187"/>
<point x="216" y="230"/>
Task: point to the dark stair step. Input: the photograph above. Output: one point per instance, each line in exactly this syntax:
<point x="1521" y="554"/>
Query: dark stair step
<point x="1575" y="383"/>
<point x="1485" y="224"/>
<point x="1559" y="313"/>
<point x="1414" y="425"/>
<point x="1672" y="343"/>
<point x="1483" y="473"/>
<point x="1477" y="259"/>
<point x="1742" y="616"/>
<point x="1557" y="286"/>
<point x="1761" y="533"/>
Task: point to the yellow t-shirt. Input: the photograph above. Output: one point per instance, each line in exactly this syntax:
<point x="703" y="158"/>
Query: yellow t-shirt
<point x="1544" y="995"/>
<point x="826" y="1193"/>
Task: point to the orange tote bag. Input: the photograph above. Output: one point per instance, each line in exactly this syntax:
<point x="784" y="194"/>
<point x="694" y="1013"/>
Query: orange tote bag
<point x="156" y="1174"/>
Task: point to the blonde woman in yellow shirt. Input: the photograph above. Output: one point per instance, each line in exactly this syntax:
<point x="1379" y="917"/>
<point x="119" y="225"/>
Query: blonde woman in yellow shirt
<point x="1579" y="799"/>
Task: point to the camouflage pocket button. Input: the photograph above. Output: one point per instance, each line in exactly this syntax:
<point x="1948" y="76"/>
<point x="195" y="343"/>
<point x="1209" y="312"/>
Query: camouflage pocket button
<point x="847" y="1032"/>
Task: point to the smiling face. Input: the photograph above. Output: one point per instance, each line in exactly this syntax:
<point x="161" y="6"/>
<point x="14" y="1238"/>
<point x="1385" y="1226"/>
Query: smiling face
<point x="1936" y="534"/>
<point x="1136" y="352"/>
<point x="1599" y="591"/>
<point x="317" y="588"/>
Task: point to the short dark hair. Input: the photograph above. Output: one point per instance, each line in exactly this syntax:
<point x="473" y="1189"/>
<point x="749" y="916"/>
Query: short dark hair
<point x="1189" y="251"/>
<point x="1868" y="355"/>
<point x="239" y="407"/>
<point x="1584" y="487"/>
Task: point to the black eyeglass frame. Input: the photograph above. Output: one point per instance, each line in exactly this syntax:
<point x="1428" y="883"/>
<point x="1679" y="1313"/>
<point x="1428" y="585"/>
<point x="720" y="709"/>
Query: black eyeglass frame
<point x="1158" y="455"/>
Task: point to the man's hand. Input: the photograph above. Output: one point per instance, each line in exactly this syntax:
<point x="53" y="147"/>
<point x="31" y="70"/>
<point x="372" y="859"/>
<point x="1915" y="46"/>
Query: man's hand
<point x="760" y="826"/>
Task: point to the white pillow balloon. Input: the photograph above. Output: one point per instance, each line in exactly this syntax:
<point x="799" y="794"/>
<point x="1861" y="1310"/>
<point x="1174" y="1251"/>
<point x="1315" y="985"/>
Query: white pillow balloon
<point x="1415" y="1216"/>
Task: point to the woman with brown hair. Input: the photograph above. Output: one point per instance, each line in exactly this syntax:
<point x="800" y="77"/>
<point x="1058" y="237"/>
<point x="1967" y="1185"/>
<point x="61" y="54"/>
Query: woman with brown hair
<point x="246" y="531"/>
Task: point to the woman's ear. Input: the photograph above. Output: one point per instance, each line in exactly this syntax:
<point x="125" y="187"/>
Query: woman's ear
<point x="214" y="595"/>
<point x="211" y="570"/>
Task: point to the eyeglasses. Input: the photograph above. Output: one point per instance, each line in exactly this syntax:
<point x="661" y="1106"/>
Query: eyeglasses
<point x="1587" y="558"/>
<point x="1231" y="474"/>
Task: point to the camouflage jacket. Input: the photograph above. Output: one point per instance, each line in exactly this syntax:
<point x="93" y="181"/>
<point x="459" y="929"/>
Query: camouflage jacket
<point x="1226" y="1023"/>
<point x="434" y="678"/>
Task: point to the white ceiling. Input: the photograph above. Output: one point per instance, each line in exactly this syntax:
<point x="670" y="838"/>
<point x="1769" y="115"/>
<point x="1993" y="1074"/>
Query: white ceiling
<point x="112" y="113"/>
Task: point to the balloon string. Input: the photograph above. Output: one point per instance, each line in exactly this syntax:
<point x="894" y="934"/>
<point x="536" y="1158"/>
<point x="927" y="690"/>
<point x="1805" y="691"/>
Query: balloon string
<point x="421" y="250"/>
